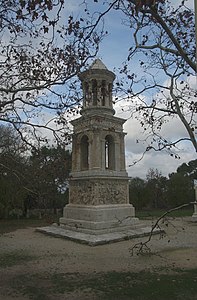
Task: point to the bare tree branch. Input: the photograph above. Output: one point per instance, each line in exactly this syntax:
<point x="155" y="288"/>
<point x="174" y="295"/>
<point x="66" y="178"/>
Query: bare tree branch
<point x="142" y="247"/>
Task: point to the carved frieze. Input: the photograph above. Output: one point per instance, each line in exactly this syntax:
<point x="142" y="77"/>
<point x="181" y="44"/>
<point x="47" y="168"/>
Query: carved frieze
<point x="99" y="192"/>
<point x="99" y="123"/>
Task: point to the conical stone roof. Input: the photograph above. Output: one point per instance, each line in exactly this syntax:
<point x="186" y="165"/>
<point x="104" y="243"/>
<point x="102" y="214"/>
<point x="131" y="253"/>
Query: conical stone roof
<point x="98" y="64"/>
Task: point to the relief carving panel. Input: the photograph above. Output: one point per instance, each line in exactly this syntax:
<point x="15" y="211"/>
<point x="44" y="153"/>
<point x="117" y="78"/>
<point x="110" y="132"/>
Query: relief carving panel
<point x="100" y="123"/>
<point x="98" y="192"/>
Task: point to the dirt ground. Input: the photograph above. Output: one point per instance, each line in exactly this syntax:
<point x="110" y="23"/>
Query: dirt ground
<point x="27" y="254"/>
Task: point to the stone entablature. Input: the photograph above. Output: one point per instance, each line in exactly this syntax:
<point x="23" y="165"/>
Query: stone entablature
<point x="106" y="173"/>
<point x="93" y="122"/>
<point x="97" y="111"/>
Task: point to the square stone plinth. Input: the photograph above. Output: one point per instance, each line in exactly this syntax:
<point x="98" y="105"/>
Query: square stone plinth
<point x="98" y="219"/>
<point x="194" y="217"/>
<point x="97" y="225"/>
<point x="98" y="239"/>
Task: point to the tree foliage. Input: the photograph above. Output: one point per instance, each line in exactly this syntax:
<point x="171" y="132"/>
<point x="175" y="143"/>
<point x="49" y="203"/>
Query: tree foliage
<point x="12" y="166"/>
<point x="137" y="192"/>
<point x="161" y="87"/>
<point x="159" y="192"/>
<point x="35" y="180"/>
<point x="49" y="170"/>
<point x="180" y="189"/>
<point x="156" y="189"/>
<point x="42" y="47"/>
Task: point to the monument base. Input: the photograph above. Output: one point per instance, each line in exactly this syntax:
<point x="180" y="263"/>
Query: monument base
<point x="97" y="239"/>
<point x="98" y="219"/>
<point x="97" y="225"/>
<point x="194" y="217"/>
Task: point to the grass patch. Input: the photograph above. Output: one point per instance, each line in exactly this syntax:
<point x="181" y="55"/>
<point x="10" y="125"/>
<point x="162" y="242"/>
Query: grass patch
<point x="108" y="286"/>
<point x="138" y="286"/>
<point x="34" y="286"/>
<point x="146" y="214"/>
<point x="14" y="258"/>
<point x="9" y="225"/>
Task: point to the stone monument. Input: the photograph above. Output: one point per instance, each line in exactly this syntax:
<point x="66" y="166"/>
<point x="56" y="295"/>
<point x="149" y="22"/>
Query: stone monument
<point x="98" y="209"/>
<point x="194" y="216"/>
<point x="98" y="188"/>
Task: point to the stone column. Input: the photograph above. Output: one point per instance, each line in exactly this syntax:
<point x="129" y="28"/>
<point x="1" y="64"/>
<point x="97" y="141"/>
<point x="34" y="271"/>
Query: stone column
<point x="117" y="155"/>
<point x="194" y="216"/>
<point x="99" y="94"/>
<point x="103" y="154"/>
<point x="96" y="150"/>
<point x="90" y="154"/>
<point x="122" y="152"/>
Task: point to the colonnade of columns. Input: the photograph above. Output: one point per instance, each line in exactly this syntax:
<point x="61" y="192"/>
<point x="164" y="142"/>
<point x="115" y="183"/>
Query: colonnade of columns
<point x="97" y="93"/>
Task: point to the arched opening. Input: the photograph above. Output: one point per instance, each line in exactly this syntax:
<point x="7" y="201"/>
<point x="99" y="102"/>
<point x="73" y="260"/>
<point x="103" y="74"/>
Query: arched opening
<point x="94" y="92"/>
<point x="86" y="93"/>
<point x="103" y="92"/>
<point x="84" y="153"/>
<point x="109" y="152"/>
<point x="110" y="93"/>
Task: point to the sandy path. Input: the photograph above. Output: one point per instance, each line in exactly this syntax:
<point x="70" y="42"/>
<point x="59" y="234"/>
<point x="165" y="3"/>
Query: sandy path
<point x="55" y="255"/>
<point x="63" y="254"/>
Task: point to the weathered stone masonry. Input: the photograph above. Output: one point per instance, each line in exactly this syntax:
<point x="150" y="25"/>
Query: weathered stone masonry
<point x="98" y="191"/>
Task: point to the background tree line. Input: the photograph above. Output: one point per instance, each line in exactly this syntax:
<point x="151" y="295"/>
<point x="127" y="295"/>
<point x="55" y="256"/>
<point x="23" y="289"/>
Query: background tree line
<point x="160" y="192"/>
<point x="39" y="179"/>
<point x="29" y="180"/>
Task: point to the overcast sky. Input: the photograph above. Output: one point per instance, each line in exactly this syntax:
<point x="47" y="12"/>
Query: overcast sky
<point x="113" y="51"/>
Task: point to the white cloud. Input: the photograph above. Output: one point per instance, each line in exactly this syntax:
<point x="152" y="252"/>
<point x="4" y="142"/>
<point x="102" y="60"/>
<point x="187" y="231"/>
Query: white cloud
<point x="162" y="160"/>
<point x="188" y="3"/>
<point x="157" y="160"/>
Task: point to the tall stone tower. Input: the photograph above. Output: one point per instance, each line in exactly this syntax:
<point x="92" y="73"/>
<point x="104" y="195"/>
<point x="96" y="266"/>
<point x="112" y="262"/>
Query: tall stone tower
<point x="98" y="189"/>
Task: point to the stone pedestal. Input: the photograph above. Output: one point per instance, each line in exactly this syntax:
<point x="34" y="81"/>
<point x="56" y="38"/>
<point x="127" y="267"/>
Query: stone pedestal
<point x="98" y="219"/>
<point x="194" y="216"/>
<point x="98" y="211"/>
<point x="98" y="205"/>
